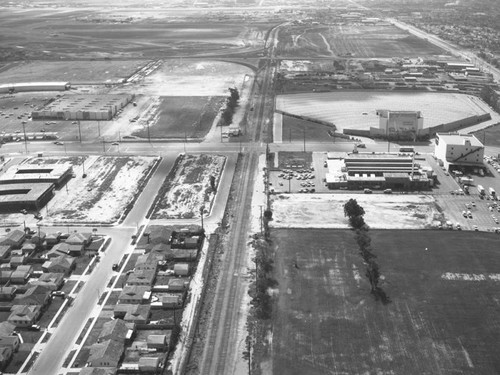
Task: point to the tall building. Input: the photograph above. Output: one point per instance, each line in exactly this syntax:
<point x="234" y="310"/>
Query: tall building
<point x="459" y="150"/>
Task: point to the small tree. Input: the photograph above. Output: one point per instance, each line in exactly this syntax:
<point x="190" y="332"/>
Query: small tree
<point x="352" y="208"/>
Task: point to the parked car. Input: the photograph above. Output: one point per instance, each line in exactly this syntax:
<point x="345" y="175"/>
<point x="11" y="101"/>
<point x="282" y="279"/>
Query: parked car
<point x="388" y="191"/>
<point x="367" y="191"/>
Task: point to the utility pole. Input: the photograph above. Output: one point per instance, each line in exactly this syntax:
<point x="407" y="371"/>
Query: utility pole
<point x="25" y="139"/>
<point x="304" y="139"/>
<point x="149" y="136"/>
<point x="79" y="131"/>
<point x="98" y="128"/>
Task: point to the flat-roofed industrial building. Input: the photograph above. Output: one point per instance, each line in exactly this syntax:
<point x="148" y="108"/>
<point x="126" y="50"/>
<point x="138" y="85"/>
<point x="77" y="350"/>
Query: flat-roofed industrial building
<point x="458" y="151"/>
<point x="56" y="174"/>
<point x="83" y="107"/>
<point x="25" y="196"/>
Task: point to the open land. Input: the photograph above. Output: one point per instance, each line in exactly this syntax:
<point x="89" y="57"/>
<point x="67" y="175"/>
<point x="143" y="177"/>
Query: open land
<point x="111" y="184"/>
<point x="190" y="191"/>
<point x="442" y="318"/>
<point x="71" y="32"/>
<point x="357" y="109"/>
<point x="326" y="211"/>
<point x="356" y="40"/>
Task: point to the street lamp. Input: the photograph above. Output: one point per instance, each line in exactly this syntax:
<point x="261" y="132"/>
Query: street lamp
<point x="202" y="210"/>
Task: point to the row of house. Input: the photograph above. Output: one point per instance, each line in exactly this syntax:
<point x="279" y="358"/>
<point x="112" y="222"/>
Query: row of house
<point x="9" y="343"/>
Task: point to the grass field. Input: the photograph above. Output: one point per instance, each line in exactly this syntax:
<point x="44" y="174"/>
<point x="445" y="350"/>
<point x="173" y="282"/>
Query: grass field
<point x="443" y="318"/>
<point x="359" y="41"/>
<point x="180" y="117"/>
<point x="295" y="129"/>
<point x="357" y="109"/>
<point x="489" y="136"/>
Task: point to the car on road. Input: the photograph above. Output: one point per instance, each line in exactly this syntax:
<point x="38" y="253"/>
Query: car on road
<point x="59" y="143"/>
<point x="458" y="226"/>
<point x="464" y="213"/>
<point x="367" y="191"/>
<point x="388" y="191"/>
<point x="58" y="293"/>
<point x="115" y="143"/>
<point x="475" y="227"/>
<point x="38" y="216"/>
<point x="34" y="327"/>
<point x="361" y="145"/>
<point x="115" y="267"/>
<point x="24" y="211"/>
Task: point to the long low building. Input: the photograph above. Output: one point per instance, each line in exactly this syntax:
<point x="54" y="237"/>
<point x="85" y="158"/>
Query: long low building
<point x="25" y="196"/>
<point x="34" y="86"/>
<point x="55" y="174"/>
<point x="83" y="107"/>
<point x="380" y="171"/>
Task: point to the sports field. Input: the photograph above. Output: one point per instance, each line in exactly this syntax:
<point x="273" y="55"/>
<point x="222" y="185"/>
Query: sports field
<point x="360" y="41"/>
<point x="443" y="318"/>
<point x="357" y="109"/>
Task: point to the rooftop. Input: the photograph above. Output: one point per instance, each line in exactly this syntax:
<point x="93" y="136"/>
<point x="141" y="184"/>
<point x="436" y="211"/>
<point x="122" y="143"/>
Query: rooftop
<point x="458" y="139"/>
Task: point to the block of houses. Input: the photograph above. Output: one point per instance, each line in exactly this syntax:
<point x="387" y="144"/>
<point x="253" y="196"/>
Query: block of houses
<point x="52" y="281"/>
<point x="171" y="300"/>
<point x="134" y="294"/>
<point x="14" y="238"/>
<point x="35" y="296"/>
<point x="53" y="238"/>
<point x="106" y="354"/>
<point x="24" y="315"/>
<point x="158" y="342"/>
<point x="151" y="364"/>
<point x="116" y="329"/>
<point x="97" y="371"/>
<point x="17" y="261"/>
<point x="81" y="239"/>
<point x="5" y="251"/>
<point x="21" y="274"/>
<point x="7" y="293"/>
<point x="182" y="269"/>
<point x="177" y="284"/>
<point x="138" y="314"/>
<point x="141" y="278"/>
<point x="62" y="264"/>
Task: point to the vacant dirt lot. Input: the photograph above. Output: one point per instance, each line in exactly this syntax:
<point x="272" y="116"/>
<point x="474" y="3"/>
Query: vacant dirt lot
<point x="442" y="319"/>
<point x="327" y="211"/>
<point x="351" y="40"/>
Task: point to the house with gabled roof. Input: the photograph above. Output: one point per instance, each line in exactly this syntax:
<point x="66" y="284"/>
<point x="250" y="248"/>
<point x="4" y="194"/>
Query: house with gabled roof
<point x="7" y="293"/>
<point x="51" y="280"/>
<point x="62" y="264"/>
<point x="39" y="238"/>
<point x="158" y="248"/>
<point x="35" y="295"/>
<point x="148" y="262"/>
<point x="178" y="284"/>
<point x="24" y="315"/>
<point x="83" y="239"/>
<point x="7" y="328"/>
<point x="6" y="354"/>
<point x="17" y="261"/>
<point x="171" y="300"/>
<point x="152" y="364"/>
<point x="14" y="238"/>
<point x="28" y="248"/>
<point x="138" y="314"/>
<point x="134" y="294"/>
<point x="106" y="354"/>
<point x="116" y="329"/>
<point x="53" y="238"/>
<point x="5" y="251"/>
<point x="158" y="342"/>
<point x="21" y="274"/>
<point x="141" y="278"/>
<point x="11" y="341"/>
<point x="5" y="276"/>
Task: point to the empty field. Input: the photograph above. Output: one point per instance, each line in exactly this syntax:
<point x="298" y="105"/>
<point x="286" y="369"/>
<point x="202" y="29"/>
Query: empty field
<point x="357" y="109"/>
<point x="179" y="117"/>
<point x="443" y="318"/>
<point x="360" y="41"/>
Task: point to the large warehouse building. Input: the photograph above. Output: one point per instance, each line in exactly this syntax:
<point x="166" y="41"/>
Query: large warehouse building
<point x="459" y="151"/>
<point x="27" y="196"/>
<point x="83" y="107"/>
<point x="34" y="86"/>
<point x="380" y="171"/>
<point x="55" y="174"/>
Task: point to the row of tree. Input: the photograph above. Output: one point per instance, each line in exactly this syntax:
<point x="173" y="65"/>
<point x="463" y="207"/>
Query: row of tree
<point x="232" y="102"/>
<point x="355" y="213"/>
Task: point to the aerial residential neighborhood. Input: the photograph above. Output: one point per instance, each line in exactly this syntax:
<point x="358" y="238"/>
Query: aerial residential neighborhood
<point x="296" y="187"/>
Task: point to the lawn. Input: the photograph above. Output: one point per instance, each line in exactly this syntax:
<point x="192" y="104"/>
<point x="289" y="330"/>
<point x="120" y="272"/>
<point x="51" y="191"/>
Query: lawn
<point x="443" y="318"/>
<point x="489" y="136"/>
<point x="295" y="129"/>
